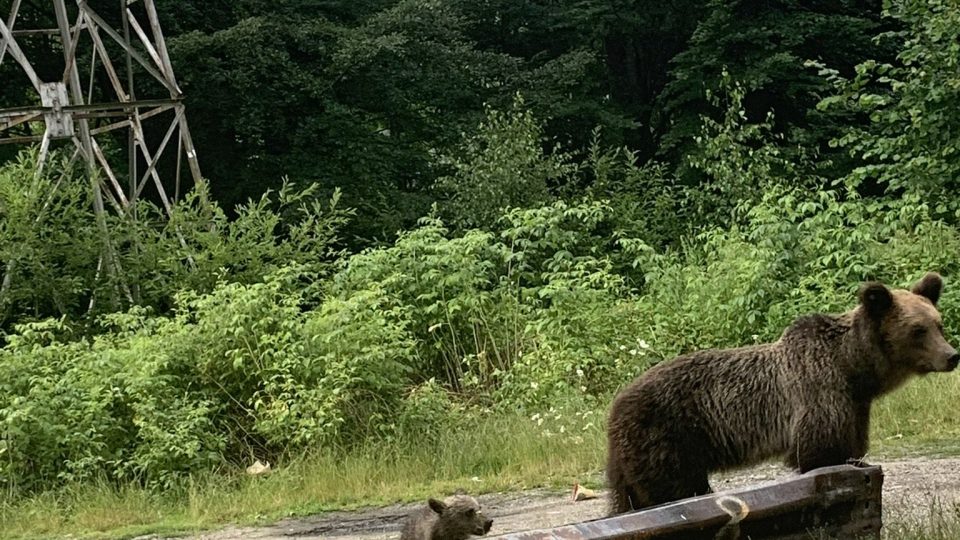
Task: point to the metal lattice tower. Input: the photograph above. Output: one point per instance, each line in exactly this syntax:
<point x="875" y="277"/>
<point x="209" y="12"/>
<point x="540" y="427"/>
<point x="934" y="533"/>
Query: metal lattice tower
<point x="130" y="82"/>
<point x="118" y="53"/>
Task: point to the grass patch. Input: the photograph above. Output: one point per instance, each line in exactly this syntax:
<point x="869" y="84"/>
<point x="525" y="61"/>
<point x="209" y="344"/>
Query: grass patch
<point x="492" y="454"/>
<point x="920" y="418"/>
<point x="938" y="523"/>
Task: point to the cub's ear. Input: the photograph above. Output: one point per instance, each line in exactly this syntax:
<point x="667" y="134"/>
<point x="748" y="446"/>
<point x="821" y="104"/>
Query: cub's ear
<point x="876" y="299"/>
<point x="929" y="287"/>
<point x="436" y="506"/>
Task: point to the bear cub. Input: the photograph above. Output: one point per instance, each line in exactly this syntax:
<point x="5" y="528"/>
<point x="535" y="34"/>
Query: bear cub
<point x="455" y="518"/>
<point x="805" y="396"/>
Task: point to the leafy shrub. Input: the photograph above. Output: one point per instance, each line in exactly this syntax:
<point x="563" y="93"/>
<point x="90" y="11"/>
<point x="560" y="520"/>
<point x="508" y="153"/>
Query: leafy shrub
<point x="911" y="144"/>
<point x="648" y="202"/>
<point x="58" y="262"/>
<point x="242" y="369"/>
<point x="427" y="412"/>
<point x="49" y="242"/>
<point x="502" y="166"/>
<point x="412" y="340"/>
<point x="478" y="303"/>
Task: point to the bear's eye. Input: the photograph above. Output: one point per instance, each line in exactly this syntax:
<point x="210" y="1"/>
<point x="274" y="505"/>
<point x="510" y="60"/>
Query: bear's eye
<point x="919" y="331"/>
<point x="471" y="512"/>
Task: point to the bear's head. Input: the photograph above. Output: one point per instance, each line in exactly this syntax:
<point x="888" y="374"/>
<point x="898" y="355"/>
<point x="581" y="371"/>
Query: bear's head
<point x="460" y="516"/>
<point x="909" y="325"/>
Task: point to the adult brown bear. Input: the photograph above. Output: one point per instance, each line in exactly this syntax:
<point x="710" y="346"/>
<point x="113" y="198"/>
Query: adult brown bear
<point x="806" y="396"/>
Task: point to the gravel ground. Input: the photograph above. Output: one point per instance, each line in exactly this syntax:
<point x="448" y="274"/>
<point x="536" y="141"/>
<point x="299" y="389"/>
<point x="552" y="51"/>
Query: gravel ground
<point x="911" y="487"/>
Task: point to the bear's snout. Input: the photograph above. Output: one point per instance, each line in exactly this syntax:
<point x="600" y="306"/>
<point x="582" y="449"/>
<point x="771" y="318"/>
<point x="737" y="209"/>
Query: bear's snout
<point x="487" y="523"/>
<point x="948" y="358"/>
<point x="953" y="361"/>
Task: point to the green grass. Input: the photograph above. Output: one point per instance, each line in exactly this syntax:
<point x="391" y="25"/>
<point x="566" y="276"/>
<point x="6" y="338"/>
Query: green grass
<point x="921" y="417"/>
<point x="492" y="454"/>
<point x="937" y="523"/>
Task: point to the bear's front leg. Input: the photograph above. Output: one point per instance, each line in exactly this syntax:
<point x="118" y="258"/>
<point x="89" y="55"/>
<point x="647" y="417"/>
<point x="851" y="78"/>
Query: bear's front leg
<point x="861" y="435"/>
<point x="825" y="436"/>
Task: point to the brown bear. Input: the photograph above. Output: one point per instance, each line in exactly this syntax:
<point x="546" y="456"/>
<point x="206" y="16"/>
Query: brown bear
<point x="806" y="396"/>
<point x="455" y="518"/>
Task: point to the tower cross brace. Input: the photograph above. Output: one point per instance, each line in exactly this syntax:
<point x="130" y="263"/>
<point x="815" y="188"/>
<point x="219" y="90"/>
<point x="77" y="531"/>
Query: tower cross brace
<point x="67" y="113"/>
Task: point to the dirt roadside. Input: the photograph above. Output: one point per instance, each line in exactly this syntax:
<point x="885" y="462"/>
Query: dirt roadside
<point x="911" y="488"/>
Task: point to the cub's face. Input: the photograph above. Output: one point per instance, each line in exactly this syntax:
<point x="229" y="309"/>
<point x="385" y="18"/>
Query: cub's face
<point x="462" y="513"/>
<point x="910" y="325"/>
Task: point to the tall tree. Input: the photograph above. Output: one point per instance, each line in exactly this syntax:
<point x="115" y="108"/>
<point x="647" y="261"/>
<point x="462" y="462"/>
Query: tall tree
<point x="764" y="46"/>
<point x="911" y="146"/>
<point x="362" y="108"/>
<point x="631" y="41"/>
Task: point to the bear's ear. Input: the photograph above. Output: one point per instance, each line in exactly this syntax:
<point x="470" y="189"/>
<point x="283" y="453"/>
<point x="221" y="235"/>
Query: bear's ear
<point x="436" y="506"/>
<point x="929" y="287"/>
<point x="876" y="299"/>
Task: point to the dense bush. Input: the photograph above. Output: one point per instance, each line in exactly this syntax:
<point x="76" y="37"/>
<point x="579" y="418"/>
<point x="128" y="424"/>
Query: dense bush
<point x="60" y="262"/>
<point x="416" y="336"/>
<point x="47" y="240"/>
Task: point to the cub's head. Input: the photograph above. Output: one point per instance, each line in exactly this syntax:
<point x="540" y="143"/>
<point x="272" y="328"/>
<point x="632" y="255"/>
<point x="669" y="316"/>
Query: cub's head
<point x="910" y="326"/>
<point x="460" y="516"/>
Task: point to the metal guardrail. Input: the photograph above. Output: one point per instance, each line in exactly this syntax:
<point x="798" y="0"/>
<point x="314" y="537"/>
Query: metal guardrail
<point x="832" y="502"/>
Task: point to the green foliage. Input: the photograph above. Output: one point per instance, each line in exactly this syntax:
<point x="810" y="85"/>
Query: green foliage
<point x="428" y="412"/>
<point x="736" y="157"/>
<point x="48" y="242"/>
<point x="911" y="144"/>
<point x="410" y="339"/>
<point x="553" y="305"/>
<point x="648" y="202"/>
<point x="480" y="302"/>
<point x="59" y="262"/>
<point x="764" y="46"/>
<point x="241" y="369"/>
<point x="198" y="244"/>
<point x="246" y="368"/>
<point x="361" y="102"/>
<point x="542" y="281"/>
<point x="75" y="410"/>
<point x="796" y="253"/>
<point x="502" y="166"/>
<point x="365" y="96"/>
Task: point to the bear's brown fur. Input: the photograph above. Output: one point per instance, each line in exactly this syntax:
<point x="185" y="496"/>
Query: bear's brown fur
<point x="455" y="518"/>
<point x="806" y="396"/>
